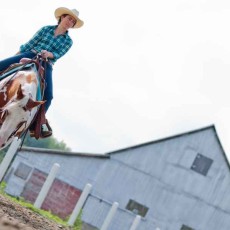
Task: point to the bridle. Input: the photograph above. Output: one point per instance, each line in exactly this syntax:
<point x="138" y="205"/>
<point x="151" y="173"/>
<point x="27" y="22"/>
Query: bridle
<point x="15" y="132"/>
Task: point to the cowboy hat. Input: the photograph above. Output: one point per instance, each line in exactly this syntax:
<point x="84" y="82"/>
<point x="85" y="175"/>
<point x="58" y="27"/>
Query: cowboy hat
<point x="74" y="13"/>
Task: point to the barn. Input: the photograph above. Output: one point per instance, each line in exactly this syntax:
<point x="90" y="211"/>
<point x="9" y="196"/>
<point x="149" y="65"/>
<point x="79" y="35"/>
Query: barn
<point x="181" y="182"/>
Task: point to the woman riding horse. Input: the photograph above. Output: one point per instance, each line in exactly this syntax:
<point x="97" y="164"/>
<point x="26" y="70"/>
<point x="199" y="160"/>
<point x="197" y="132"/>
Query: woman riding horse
<point x="52" y="42"/>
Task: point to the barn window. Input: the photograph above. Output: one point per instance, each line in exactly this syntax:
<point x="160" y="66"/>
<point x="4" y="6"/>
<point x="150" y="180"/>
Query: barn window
<point x="137" y="208"/>
<point x="184" y="227"/>
<point x="201" y="164"/>
<point x="23" y="171"/>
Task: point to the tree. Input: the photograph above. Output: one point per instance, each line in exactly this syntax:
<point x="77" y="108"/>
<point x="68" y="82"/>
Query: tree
<point x="46" y="143"/>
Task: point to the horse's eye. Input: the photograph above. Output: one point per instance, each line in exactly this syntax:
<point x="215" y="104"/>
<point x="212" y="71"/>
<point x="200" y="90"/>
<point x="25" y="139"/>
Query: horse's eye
<point x="3" y="115"/>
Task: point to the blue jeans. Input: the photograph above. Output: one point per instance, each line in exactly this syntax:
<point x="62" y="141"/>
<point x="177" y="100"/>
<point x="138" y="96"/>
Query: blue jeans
<point x="48" y="94"/>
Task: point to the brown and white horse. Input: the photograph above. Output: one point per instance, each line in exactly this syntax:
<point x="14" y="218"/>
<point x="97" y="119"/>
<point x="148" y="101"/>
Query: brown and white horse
<point x="18" y="104"/>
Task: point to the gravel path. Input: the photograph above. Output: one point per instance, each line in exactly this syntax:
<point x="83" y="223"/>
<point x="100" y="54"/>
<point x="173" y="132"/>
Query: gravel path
<point x="15" y="217"/>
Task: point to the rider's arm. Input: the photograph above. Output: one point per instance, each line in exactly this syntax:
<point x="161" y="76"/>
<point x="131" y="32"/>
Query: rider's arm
<point x="62" y="49"/>
<point x="34" y="40"/>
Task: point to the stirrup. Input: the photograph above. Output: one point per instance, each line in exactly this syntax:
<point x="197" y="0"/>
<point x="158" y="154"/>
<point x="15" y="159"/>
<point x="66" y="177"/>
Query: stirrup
<point x="46" y="133"/>
<point x="48" y="125"/>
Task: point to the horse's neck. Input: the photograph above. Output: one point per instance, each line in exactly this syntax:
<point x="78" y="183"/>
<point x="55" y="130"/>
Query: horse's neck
<point x="9" y="86"/>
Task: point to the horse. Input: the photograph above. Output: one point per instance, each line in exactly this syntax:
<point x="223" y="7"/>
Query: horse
<point x="18" y="102"/>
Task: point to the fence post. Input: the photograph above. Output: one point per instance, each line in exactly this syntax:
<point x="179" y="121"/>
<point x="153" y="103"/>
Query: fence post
<point x="46" y="186"/>
<point x="135" y="222"/>
<point x="9" y="156"/>
<point x="79" y="204"/>
<point x="110" y="216"/>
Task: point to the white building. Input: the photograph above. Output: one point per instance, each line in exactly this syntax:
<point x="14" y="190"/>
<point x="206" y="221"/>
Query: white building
<point x="176" y="183"/>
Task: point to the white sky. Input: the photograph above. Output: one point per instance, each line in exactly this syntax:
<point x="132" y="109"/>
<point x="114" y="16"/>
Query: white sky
<point x="138" y="70"/>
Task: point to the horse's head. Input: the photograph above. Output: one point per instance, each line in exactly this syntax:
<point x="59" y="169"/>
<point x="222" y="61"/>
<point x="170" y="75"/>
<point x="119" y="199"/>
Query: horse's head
<point x="16" y="115"/>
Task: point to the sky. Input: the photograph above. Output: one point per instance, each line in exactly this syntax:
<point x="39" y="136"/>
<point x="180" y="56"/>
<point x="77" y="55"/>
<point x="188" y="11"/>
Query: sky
<point x="138" y="71"/>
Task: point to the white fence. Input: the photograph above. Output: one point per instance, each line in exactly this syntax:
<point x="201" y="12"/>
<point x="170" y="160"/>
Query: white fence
<point x="48" y="183"/>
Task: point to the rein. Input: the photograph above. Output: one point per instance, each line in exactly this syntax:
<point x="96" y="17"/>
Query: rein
<point x="15" y="132"/>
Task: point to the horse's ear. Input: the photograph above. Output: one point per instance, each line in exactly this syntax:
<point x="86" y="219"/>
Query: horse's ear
<point x="31" y="104"/>
<point x="20" y="94"/>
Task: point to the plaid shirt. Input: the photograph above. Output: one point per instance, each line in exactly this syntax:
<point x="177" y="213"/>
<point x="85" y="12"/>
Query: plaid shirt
<point x="44" y="39"/>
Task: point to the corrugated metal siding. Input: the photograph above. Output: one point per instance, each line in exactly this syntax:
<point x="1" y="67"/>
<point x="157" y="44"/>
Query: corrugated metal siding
<point x="76" y="171"/>
<point x="157" y="175"/>
<point x="101" y="209"/>
<point x="218" y="220"/>
<point x="96" y="210"/>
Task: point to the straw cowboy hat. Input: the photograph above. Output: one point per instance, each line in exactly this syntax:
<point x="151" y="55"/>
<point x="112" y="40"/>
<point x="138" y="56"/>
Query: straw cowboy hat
<point x="74" y="13"/>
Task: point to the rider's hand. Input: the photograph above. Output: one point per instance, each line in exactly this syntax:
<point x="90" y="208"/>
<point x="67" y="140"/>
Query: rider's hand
<point x="46" y="54"/>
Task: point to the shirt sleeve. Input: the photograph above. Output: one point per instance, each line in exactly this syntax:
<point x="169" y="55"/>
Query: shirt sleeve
<point x="63" y="49"/>
<point x="33" y="41"/>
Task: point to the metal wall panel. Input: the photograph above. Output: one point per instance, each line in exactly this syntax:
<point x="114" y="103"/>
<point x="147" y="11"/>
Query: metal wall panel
<point x="157" y="175"/>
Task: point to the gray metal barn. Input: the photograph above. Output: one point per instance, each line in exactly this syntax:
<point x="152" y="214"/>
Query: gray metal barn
<point x="176" y="183"/>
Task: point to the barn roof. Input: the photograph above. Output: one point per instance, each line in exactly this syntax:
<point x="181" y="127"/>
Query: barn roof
<point x="61" y="152"/>
<point x="107" y="155"/>
<point x="170" y="137"/>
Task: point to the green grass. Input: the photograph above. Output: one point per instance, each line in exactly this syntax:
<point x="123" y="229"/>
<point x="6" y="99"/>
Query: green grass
<point x="48" y="215"/>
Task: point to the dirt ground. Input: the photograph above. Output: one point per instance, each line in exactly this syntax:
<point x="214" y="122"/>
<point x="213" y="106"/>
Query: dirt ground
<point x="16" y="217"/>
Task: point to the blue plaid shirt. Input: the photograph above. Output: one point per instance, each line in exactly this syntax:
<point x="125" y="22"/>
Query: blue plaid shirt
<point x="44" y="39"/>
